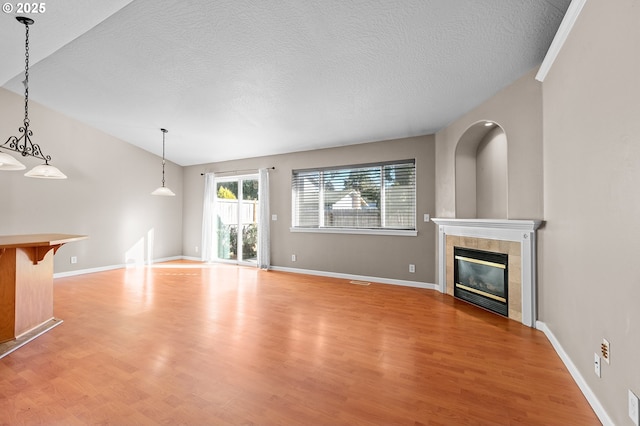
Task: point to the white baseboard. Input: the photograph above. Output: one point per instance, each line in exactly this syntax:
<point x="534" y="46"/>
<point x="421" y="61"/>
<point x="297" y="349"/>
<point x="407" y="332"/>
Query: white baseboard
<point x="577" y="377"/>
<point x="87" y="271"/>
<point x="111" y="267"/>
<point x="405" y="283"/>
<point x="417" y="284"/>
<point x="197" y="259"/>
<point x="168" y="259"/>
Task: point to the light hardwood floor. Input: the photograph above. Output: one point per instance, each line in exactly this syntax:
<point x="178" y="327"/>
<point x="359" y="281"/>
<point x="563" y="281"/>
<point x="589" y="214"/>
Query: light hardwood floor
<point x="183" y="344"/>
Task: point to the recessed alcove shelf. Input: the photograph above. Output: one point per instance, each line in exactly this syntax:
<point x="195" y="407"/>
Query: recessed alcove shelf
<point x="476" y="232"/>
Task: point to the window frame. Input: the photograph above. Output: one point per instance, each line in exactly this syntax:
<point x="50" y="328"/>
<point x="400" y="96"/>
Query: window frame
<point x="321" y="228"/>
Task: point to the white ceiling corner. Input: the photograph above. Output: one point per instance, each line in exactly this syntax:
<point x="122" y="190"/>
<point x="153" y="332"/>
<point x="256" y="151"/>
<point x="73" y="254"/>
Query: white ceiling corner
<point x="58" y="25"/>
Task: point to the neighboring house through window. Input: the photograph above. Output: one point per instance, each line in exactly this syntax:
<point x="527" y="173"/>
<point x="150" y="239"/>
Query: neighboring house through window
<point x="363" y="197"/>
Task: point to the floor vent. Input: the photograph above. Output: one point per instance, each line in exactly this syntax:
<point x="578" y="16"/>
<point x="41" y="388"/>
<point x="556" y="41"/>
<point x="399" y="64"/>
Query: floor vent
<point x="359" y="282"/>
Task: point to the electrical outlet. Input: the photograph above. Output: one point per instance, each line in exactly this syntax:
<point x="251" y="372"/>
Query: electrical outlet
<point x="426" y="217"/>
<point x="293" y="257"/>
<point x="596" y="364"/>
<point x="412" y="268"/>
<point x="605" y="348"/>
<point x="634" y="414"/>
<point x="197" y="248"/>
<point x="74" y="259"/>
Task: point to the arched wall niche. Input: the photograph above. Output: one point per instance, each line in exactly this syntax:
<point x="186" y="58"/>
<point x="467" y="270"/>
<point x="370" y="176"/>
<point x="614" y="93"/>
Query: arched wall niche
<point x="481" y="179"/>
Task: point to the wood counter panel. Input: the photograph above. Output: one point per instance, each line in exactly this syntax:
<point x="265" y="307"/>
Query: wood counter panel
<point x="34" y="291"/>
<point x="7" y="294"/>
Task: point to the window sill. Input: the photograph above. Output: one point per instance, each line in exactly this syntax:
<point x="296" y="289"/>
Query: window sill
<point x="393" y="232"/>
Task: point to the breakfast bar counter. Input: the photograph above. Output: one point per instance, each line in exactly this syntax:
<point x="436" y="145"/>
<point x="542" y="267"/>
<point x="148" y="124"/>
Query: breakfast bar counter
<point x="26" y="281"/>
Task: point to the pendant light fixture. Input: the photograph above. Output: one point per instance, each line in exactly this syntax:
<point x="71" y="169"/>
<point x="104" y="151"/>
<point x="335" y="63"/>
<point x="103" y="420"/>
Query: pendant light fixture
<point x="163" y="190"/>
<point x="23" y="144"/>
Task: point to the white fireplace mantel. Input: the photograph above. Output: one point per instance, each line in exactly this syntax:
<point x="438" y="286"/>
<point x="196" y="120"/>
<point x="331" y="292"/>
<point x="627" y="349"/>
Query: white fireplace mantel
<point x="522" y="231"/>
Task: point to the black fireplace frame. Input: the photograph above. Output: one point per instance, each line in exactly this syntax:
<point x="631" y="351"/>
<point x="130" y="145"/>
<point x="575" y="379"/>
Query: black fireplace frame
<point x="498" y="304"/>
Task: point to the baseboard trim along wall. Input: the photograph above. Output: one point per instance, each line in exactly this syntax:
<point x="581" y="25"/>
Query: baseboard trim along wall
<point x="577" y="377"/>
<point x="110" y="267"/>
<point x="87" y="271"/>
<point x="418" y="284"/>
<point x="195" y="259"/>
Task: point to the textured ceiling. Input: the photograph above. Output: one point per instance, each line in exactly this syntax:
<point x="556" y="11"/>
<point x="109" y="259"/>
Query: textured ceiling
<point x="243" y="78"/>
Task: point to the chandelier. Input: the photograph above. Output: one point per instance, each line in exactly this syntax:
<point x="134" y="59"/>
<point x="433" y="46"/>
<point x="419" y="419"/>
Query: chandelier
<point x="163" y="190"/>
<point x="23" y="144"/>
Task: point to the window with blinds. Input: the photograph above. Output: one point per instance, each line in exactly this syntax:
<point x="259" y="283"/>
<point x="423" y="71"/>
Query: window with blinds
<point x="368" y="196"/>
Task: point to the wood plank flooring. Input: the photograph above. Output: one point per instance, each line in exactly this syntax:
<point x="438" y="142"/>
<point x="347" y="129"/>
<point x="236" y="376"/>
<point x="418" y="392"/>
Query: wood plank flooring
<point x="180" y="343"/>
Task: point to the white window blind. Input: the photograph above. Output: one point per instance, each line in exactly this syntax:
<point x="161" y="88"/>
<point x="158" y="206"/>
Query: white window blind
<point x="370" y="196"/>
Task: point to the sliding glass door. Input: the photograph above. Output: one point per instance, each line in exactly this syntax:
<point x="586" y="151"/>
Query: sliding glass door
<point x="237" y="218"/>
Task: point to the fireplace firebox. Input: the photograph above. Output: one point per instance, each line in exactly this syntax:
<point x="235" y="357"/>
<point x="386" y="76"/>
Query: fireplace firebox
<point x="481" y="278"/>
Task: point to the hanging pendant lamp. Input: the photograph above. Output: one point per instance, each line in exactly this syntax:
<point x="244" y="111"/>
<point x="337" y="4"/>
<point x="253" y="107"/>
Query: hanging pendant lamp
<point x="163" y="190"/>
<point x="23" y="144"/>
<point x="7" y="162"/>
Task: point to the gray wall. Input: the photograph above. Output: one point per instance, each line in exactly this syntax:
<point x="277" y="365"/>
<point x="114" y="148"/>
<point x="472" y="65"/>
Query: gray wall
<point x="518" y="110"/>
<point x="481" y="173"/>
<point x="589" y="273"/>
<point x="366" y="255"/>
<point x="492" y="172"/>
<point x="106" y="196"/>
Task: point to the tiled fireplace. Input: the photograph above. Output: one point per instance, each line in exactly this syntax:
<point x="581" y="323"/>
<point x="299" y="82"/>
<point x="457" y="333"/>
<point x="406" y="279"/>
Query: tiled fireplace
<point x="514" y="239"/>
